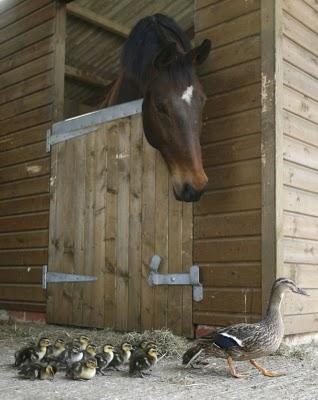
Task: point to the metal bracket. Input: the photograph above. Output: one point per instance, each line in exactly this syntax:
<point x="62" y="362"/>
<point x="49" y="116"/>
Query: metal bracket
<point x="56" y="277"/>
<point x="192" y="278"/>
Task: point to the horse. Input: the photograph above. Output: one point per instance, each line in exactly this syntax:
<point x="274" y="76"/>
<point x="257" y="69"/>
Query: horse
<point x="158" y="64"/>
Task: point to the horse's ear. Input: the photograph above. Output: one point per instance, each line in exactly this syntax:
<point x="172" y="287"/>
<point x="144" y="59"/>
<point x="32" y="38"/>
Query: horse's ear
<point x="166" y="56"/>
<point x="200" y="53"/>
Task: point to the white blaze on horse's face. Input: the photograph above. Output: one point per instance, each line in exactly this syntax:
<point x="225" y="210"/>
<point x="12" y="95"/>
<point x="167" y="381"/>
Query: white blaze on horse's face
<point x="187" y="94"/>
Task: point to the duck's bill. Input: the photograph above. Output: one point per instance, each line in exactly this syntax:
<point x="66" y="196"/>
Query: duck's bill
<point x="301" y="291"/>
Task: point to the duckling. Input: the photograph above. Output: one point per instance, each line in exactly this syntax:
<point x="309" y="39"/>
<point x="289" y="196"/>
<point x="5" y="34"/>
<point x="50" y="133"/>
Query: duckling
<point x="142" y="360"/>
<point x="245" y="342"/>
<point x="70" y="356"/>
<point x="145" y="343"/>
<point x="38" y="370"/>
<point x="85" y="369"/>
<point x="190" y="357"/>
<point x="55" y="350"/>
<point x="31" y="353"/>
<point x="104" y="358"/>
<point x="90" y="351"/>
<point x="83" y="342"/>
<point x="121" y="356"/>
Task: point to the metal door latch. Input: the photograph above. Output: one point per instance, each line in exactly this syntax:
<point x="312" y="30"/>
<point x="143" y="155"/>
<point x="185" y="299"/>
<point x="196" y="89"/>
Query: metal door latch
<point x="56" y="277"/>
<point x="192" y="278"/>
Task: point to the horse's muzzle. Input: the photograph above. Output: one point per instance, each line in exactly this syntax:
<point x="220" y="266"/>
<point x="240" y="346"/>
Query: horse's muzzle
<point x="189" y="194"/>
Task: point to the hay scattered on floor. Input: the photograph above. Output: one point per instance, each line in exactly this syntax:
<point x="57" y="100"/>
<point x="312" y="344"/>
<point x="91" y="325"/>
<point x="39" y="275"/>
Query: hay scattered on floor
<point x="17" y="334"/>
<point x="300" y="352"/>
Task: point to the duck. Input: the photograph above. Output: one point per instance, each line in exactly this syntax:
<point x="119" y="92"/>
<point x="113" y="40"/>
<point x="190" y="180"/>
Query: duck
<point x="104" y="358"/>
<point x="246" y="342"/>
<point x="85" y="369"/>
<point x="28" y="354"/>
<point x="55" y="350"/>
<point x="70" y="356"/>
<point x="142" y="360"/>
<point x="38" y="370"/>
<point x="90" y="351"/>
<point x="83" y="342"/>
<point x="143" y="344"/>
<point x="121" y="355"/>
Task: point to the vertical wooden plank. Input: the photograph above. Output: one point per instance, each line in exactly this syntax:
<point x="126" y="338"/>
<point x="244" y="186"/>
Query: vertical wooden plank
<point x="55" y="247"/>
<point x="52" y="230"/>
<point x="175" y="263"/>
<point x="55" y="314"/>
<point x="96" y="318"/>
<point x="134" y="255"/>
<point x="161" y="240"/>
<point x="272" y="216"/>
<point x="59" y="60"/>
<point x="79" y="210"/>
<point x="187" y="261"/>
<point x="67" y="191"/>
<point x="147" y="232"/>
<point x="88" y="225"/>
<point x="111" y="135"/>
<point x="122" y="275"/>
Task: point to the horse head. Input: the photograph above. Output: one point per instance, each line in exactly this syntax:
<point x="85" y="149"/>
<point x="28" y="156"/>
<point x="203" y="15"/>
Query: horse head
<point x="172" y="117"/>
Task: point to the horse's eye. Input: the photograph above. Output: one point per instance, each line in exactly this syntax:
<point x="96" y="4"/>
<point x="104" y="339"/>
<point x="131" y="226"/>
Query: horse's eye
<point x="161" y="107"/>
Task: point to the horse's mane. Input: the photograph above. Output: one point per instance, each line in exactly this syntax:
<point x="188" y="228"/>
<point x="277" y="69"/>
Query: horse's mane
<point x="146" y="40"/>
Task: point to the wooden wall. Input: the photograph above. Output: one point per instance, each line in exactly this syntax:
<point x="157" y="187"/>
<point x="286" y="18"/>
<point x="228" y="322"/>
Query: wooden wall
<point x="112" y="209"/>
<point x="227" y="220"/>
<point x="27" y="76"/>
<point x="300" y="159"/>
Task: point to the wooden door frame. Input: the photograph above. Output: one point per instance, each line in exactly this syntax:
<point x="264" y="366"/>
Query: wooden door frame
<point x="271" y="145"/>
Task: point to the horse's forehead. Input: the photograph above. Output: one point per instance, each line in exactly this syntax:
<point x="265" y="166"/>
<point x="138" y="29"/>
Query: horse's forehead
<point x="187" y="94"/>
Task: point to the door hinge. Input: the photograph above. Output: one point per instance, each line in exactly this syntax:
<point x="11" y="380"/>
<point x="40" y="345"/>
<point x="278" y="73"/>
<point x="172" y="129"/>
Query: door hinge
<point x="191" y="278"/>
<point x="56" y="277"/>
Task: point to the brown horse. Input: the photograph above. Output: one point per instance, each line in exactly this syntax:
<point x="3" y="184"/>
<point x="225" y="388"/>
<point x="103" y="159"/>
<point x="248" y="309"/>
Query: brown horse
<point x="158" y="64"/>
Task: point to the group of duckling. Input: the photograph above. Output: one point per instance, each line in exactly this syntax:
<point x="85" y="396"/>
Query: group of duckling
<point x="239" y="342"/>
<point x="80" y="359"/>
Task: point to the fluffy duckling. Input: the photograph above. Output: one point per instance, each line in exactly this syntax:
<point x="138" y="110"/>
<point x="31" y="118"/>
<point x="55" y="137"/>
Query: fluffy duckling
<point x="90" y="351"/>
<point x="32" y="353"/>
<point x="145" y="343"/>
<point x="83" y="342"/>
<point x="37" y="370"/>
<point x="104" y="358"/>
<point x="245" y="342"/>
<point x="69" y="356"/>
<point x="142" y="360"/>
<point x="121" y="356"/>
<point x="55" y="350"/>
<point x="85" y="369"/>
<point x="190" y="357"/>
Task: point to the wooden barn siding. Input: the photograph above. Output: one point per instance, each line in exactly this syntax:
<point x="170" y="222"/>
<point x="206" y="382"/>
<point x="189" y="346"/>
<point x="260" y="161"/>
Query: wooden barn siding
<point x="26" y="112"/>
<point x="300" y="153"/>
<point x="227" y="220"/>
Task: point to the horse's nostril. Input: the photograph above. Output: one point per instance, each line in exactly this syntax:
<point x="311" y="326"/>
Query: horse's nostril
<point x="189" y="193"/>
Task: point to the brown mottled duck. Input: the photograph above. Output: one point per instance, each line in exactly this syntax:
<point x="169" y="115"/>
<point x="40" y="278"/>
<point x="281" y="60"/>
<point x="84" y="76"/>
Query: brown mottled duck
<point x="245" y="342"/>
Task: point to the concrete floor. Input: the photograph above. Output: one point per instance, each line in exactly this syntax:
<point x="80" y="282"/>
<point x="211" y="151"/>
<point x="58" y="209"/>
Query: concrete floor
<point x="169" y="380"/>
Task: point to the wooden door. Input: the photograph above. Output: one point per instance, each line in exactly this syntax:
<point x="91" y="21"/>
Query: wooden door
<point x="112" y="209"/>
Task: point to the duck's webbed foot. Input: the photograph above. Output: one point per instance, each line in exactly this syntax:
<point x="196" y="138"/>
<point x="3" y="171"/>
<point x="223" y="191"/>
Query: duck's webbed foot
<point x="265" y="371"/>
<point x="233" y="370"/>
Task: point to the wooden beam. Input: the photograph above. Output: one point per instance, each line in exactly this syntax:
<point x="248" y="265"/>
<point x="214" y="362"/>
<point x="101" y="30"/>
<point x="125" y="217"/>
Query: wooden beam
<point x="272" y="145"/>
<point x="96" y="19"/>
<point x="85" y="76"/>
<point x="59" y="61"/>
